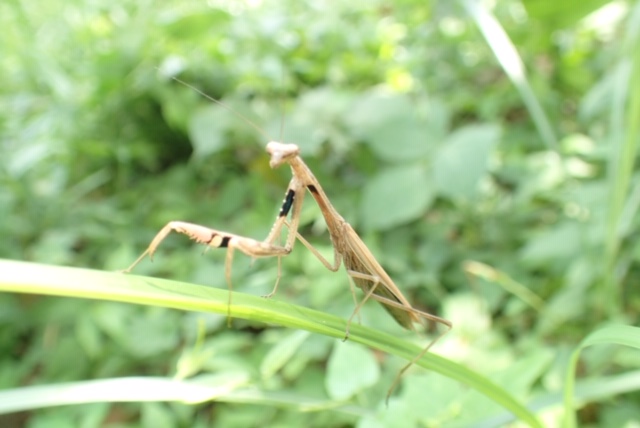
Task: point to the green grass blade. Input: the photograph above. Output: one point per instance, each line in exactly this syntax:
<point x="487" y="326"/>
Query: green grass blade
<point x="507" y="55"/>
<point x="228" y="387"/>
<point x="22" y="277"/>
<point x="618" y="335"/>
<point x="624" y="133"/>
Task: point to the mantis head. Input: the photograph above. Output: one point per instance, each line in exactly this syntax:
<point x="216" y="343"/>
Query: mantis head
<point x="281" y="153"/>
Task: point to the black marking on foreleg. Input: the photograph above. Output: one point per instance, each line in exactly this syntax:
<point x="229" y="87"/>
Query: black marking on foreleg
<point x="218" y="241"/>
<point x="287" y="203"/>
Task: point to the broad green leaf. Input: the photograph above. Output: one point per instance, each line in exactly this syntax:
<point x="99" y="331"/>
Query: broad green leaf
<point x="207" y="129"/>
<point x="282" y="352"/>
<point x="437" y="407"/>
<point x="157" y="415"/>
<point x="462" y="161"/>
<point x="559" y="243"/>
<point x="351" y="369"/>
<point x="313" y="120"/>
<point x="393" y="125"/>
<point x="559" y="14"/>
<point x="396" y="196"/>
<point x="194" y="25"/>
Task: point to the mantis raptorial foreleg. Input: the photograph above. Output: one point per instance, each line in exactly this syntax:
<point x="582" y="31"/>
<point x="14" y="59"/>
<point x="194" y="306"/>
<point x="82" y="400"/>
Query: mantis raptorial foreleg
<point x="217" y="239"/>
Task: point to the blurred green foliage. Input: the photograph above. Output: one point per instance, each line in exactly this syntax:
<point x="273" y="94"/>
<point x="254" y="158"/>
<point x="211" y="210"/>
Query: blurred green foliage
<point x="420" y="138"/>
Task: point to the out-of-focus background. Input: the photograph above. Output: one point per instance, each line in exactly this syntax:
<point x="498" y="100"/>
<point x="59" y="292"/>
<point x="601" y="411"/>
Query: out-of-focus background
<point x="483" y="151"/>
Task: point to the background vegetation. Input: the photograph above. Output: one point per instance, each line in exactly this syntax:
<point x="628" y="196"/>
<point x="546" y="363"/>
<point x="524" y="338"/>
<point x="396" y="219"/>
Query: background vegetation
<point x="500" y="196"/>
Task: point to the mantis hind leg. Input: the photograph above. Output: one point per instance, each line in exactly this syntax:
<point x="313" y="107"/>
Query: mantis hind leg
<point x="356" y="311"/>
<point x="415" y="313"/>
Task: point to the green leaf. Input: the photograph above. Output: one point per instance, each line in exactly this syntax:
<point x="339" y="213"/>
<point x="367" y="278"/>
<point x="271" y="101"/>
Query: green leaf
<point x="194" y="25"/>
<point x="559" y="243"/>
<point x="437" y="406"/>
<point x="207" y="129"/>
<point x="281" y="353"/>
<point x="560" y="14"/>
<point x="392" y="125"/>
<point x="313" y="120"/>
<point x="157" y="415"/>
<point x="351" y="369"/>
<point x="395" y="196"/>
<point x="462" y="161"/>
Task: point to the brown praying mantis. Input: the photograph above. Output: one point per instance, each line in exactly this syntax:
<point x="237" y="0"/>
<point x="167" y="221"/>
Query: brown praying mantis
<point x="360" y="264"/>
<point x="362" y="267"/>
